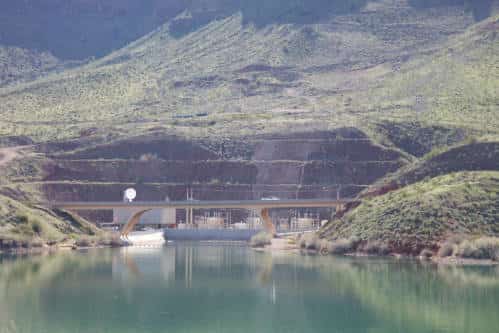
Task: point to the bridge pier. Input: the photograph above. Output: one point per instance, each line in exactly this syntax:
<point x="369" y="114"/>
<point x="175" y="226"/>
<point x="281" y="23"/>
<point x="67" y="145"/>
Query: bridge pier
<point x="267" y="221"/>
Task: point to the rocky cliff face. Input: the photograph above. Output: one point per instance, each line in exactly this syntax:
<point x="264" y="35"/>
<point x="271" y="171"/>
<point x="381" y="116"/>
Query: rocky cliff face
<point x="308" y="165"/>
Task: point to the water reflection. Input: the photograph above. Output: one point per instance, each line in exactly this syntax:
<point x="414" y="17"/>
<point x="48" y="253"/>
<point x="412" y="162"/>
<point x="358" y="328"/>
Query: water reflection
<point x="208" y="288"/>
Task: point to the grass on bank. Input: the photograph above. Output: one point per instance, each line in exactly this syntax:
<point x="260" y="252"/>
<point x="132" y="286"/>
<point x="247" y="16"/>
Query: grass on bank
<point x="22" y="225"/>
<point x="261" y="239"/>
<point x="426" y="213"/>
<point x="342" y="246"/>
<point x="478" y="248"/>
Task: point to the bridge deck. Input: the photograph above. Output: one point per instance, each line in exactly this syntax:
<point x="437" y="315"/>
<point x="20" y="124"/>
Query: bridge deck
<point x="234" y="204"/>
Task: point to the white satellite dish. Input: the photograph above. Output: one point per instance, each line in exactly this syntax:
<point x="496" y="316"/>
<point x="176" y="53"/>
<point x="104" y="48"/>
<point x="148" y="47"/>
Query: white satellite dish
<point x="130" y="194"/>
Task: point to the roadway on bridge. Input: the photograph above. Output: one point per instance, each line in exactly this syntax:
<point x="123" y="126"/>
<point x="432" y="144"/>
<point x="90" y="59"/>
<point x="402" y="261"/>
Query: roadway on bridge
<point x="195" y="204"/>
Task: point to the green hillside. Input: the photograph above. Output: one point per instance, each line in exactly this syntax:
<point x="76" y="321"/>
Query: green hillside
<point x="22" y="64"/>
<point x="82" y="29"/>
<point x="232" y="76"/>
<point x="450" y="191"/>
<point x="27" y="224"/>
<point x="424" y="214"/>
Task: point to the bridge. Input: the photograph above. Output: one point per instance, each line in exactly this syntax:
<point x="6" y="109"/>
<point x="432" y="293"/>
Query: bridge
<point x="263" y="206"/>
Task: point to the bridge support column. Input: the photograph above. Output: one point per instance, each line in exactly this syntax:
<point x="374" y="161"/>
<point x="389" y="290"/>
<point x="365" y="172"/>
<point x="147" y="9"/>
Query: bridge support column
<point x="267" y="222"/>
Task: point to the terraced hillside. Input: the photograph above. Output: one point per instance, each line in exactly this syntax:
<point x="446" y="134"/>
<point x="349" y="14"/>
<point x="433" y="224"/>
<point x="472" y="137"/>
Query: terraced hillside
<point x="305" y="165"/>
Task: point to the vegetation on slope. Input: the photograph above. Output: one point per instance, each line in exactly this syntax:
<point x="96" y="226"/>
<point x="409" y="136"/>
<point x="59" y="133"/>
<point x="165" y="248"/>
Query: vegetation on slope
<point x="383" y="61"/>
<point x="76" y="29"/>
<point x="474" y="155"/>
<point x="426" y="213"/>
<point x="456" y="86"/>
<point x="417" y="138"/>
<point x="22" y="225"/>
<point x="17" y="64"/>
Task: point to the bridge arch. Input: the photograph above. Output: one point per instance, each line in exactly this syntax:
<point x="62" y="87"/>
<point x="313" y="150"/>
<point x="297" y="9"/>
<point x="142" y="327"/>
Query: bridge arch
<point x="132" y="222"/>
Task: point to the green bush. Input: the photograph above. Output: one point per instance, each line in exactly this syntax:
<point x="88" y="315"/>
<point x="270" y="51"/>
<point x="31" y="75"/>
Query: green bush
<point x="456" y="239"/>
<point x="487" y="248"/>
<point x="377" y="248"/>
<point x="324" y="246"/>
<point x="343" y="246"/>
<point x="261" y="239"/>
<point x="426" y="254"/>
<point x="36" y="226"/>
<point x="83" y="242"/>
<point x="51" y="241"/>
<point x="466" y="250"/>
<point x="20" y="219"/>
<point x="481" y="248"/>
<point x="310" y="241"/>
<point x="37" y="243"/>
<point x="111" y="241"/>
<point x="446" y="250"/>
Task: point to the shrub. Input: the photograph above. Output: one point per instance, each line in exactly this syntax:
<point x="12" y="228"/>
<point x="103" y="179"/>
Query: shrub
<point x="261" y="239"/>
<point x="426" y="254"/>
<point x="36" y="226"/>
<point x="37" y="243"/>
<point x="481" y="248"/>
<point x="343" y="246"/>
<point x="116" y="241"/>
<point x="488" y="247"/>
<point x="377" y="248"/>
<point x="20" y="219"/>
<point x="466" y="250"/>
<point x="310" y="241"/>
<point x="324" y="246"/>
<point x="446" y="250"/>
<point x="83" y="242"/>
<point x="26" y="244"/>
<point x="24" y="229"/>
<point x="112" y="241"/>
<point x="456" y="239"/>
<point x="51" y="241"/>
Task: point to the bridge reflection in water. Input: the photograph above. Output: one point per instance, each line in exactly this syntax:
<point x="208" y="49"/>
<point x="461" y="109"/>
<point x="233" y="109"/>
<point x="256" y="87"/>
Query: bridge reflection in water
<point x="228" y="288"/>
<point x="188" y="262"/>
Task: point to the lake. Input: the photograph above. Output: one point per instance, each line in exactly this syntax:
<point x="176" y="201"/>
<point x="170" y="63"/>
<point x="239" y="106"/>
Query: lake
<point x="230" y="288"/>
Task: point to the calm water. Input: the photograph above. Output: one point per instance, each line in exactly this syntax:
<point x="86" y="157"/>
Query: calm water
<point x="207" y="288"/>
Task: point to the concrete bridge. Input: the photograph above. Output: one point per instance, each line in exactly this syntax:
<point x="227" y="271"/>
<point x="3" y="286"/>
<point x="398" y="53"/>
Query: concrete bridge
<point x="263" y="206"/>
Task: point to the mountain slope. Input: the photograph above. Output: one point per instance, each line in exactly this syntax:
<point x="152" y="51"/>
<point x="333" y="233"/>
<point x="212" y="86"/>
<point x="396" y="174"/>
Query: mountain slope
<point x="81" y="29"/>
<point x="232" y="76"/>
<point x="426" y="213"/>
<point x="17" y="63"/>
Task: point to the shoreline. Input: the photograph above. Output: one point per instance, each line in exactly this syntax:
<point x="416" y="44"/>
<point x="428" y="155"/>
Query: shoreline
<point x="51" y="249"/>
<point x="279" y="247"/>
<point x="286" y="246"/>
